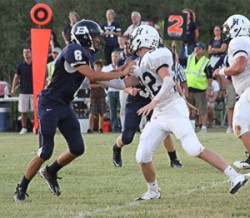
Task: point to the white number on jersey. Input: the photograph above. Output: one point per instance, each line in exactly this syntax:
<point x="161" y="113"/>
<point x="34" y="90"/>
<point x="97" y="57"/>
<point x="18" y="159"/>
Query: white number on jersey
<point x="78" y="55"/>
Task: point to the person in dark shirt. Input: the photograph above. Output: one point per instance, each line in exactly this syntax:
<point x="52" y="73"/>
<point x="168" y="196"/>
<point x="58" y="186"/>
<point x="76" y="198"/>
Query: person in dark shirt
<point x="24" y="75"/>
<point x="217" y="46"/>
<point x="192" y="35"/>
<point x="111" y="31"/>
<point x="54" y="109"/>
<point x="73" y="18"/>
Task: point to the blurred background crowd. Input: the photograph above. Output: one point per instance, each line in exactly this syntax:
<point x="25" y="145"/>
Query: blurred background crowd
<point x="204" y="44"/>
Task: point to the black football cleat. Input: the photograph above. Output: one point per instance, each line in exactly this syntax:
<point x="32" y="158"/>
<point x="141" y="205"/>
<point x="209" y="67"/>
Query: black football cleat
<point x="117" y="159"/>
<point x="51" y="180"/>
<point x="20" y="194"/>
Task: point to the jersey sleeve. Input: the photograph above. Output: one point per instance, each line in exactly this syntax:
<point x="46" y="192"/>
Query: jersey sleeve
<point x="238" y="48"/>
<point x="75" y="55"/>
<point x="18" y="70"/>
<point x="159" y="58"/>
<point x="117" y="28"/>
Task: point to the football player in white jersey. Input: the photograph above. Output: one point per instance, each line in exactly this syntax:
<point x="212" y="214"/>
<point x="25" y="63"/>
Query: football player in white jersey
<point x="237" y="27"/>
<point x="170" y="115"/>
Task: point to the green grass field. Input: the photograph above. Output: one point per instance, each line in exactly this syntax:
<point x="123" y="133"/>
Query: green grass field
<point x="92" y="187"/>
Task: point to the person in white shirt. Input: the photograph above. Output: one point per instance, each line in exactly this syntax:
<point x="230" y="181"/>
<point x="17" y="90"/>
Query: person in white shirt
<point x="215" y="88"/>
<point x="136" y="21"/>
<point x="154" y="72"/>
<point x="237" y="27"/>
<point x="113" y="94"/>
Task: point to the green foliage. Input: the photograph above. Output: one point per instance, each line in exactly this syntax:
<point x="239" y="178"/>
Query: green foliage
<point x="15" y="19"/>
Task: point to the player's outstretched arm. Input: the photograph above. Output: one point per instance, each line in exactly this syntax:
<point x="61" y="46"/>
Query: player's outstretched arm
<point x="102" y="76"/>
<point x="120" y="84"/>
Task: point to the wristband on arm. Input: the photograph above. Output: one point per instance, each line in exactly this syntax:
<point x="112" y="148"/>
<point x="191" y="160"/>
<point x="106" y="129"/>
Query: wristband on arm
<point x="222" y="71"/>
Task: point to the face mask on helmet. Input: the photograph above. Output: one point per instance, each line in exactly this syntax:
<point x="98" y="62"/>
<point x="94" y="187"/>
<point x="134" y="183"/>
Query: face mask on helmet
<point x="236" y="25"/>
<point x="144" y="36"/>
<point x="83" y="32"/>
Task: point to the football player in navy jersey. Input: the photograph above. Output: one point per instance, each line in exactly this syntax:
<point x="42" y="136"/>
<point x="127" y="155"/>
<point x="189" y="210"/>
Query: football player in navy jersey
<point x="54" y="110"/>
<point x="170" y="113"/>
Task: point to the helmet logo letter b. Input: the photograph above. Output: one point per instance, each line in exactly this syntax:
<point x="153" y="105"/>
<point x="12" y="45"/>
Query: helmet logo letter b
<point x="81" y="30"/>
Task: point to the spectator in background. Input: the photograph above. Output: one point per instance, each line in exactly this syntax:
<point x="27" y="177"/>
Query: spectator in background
<point x="123" y="95"/>
<point x="113" y="94"/>
<point x="73" y="18"/>
<point x="217" y="46"/>
<point x="230" y="97"/>
<point x="51" y="65"/>
<point x="4" y="89"/>
<point x="53" y="44"/>
<point x="122" y="45"/>
<point x="24" y="76"/>
<point x="211" y="102"/>
<point x="136" y="21"/>
<point x="199" y="78"/>
<point x="180" y="75"/>
<point x="192" y="35"/>
<point x="97" y="101"/>
<point x="111" y="31"/>
<point x="230" y="101"/>
<point x="150" y="22"/>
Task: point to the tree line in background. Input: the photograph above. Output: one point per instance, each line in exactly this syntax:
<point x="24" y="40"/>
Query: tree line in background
<point x="15" y="19"/>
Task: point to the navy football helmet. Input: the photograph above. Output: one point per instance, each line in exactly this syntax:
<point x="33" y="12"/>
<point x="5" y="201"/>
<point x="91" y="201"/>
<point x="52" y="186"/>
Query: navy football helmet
<point x="83" y="31"/>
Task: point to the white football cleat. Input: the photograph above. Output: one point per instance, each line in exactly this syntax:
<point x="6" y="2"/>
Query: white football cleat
<point x="203" y="129"/>
<point x="149" y="195"/>
<point x="23" y="131"/>
<point x="238" y="182"/>
<point x="229" y="130"/>
<point x="242" y="165"/>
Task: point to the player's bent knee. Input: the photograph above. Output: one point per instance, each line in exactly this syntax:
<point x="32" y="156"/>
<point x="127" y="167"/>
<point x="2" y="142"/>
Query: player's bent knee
<point x="191" y="145"/>
<point x="45" y="155"/>
<point x="143" y="157"/>
<point x="127" y="137"/>
<point x="142" y="160"/>
<point x="77" y="150"/>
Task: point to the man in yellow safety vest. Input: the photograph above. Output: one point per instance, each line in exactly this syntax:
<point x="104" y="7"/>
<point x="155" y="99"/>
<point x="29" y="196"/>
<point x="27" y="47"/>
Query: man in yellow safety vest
<point x="199" y="79"/>
<point x="50" y="65"/>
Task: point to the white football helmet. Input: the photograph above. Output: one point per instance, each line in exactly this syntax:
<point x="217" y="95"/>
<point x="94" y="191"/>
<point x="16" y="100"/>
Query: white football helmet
<point x="236" y="25"/>
<point x="144" y="36"/>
